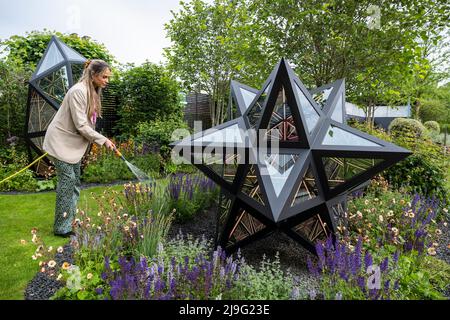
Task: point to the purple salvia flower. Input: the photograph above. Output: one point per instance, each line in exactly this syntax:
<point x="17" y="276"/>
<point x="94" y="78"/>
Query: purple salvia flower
<point x="344" y="275"/>
<point x="148" y="287"/>
<point x="396" y="284"/>
<point x="386" y="286"/>
<point x="395" y="258"/>
<point x="367" y="259"/>
<point x="408" y="246"/>
<point x="361" y="283"/>
<point x="384" y="264"/>
<point x="228" y="284"/>
<point x="320" y="254"/>
<point x="357" y="257"/>
<point x="295" y="293"/>
<point x="311" y="267"/>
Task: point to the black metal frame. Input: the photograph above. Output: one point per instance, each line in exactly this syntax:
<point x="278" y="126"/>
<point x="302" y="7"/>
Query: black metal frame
<point x="279" y="212"/>
<point x="34" y="87"/>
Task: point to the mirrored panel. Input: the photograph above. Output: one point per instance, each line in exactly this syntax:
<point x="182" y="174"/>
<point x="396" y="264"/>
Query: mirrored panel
<point x="248" y="96"/>
<point x="311" y="115"/>
<point x="340" y="170"/>
<point x="322" y="97"/>
<point x="337" y="137"/>
<point x="281" y="126"/>
<point x="278" y="168"/>
<point x="251" y="186"/>
<point x="307" y="189"/>
<point x="51" y="59"/>
<point x="337" y="112"/>
<point x="255" y="111"/>
<point x="40" y="113"/>
<point x="55" y="85"/>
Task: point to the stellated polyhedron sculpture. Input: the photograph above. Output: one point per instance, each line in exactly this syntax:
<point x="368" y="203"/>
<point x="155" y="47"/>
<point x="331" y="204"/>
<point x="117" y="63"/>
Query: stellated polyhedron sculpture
<point x="292" y="176"/>
<point x="59" y="68"/>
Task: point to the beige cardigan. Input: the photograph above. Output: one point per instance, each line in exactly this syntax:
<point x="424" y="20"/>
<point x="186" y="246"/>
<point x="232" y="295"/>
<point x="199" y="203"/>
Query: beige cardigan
<point x="70" y="132"/>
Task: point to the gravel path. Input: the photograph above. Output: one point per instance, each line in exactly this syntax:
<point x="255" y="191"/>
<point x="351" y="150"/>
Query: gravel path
<point x="43" y="286"/>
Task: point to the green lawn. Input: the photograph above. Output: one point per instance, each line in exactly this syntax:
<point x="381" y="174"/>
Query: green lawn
<point x="18" y="215"/>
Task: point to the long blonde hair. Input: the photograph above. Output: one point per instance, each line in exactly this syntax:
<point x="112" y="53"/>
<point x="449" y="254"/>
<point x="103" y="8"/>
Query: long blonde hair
<point x="92" y="68"/>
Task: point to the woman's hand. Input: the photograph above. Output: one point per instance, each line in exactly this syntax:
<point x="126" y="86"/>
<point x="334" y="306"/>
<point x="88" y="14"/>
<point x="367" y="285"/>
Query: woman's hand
<point x="108" y="144"/>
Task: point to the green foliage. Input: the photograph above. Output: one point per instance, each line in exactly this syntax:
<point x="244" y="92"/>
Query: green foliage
<point x="107" y="169"/>
<point x="100" y="233"/>
<point x="49" y="184"/>
<point x="434" y="104"/>
<point x="148" y="92"/>
<point x="183" y="246"/>
<point x="439" y="272"/>
<point x="189" y="194"/>
<point x="407" y="127"/>
<point x="425" y="170"/>
<point x="383" y="63"/>
<point x="268" y="282"/>
<point x="81" y="284"/>
<point x="28" y="50"/>
<point x="389" y="225"/>
<point x="24" y="181"/>
<point x="151" y="163"/>
<point x="390" y="220"/>
<point x="153" y="228"/>
<point x="12" y="159"/>
<point x="415" y="280"/>
<point x="418" y="173"/>
<point x="159" y="133"/>
<point x="172" y="168"/>
<point x="13" y="99"/>
<point x="432" y="126"/>
<point x="213" y="43"/>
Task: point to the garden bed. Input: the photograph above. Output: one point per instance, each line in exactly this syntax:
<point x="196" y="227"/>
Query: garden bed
<point x="291" y="255"/>
<point x="405" y="236"/>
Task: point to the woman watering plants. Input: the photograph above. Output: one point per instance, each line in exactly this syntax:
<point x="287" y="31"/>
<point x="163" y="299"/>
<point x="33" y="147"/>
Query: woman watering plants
<point x="69" y="135"/>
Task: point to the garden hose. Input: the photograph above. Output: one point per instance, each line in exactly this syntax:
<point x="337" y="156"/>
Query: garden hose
<point x="119" y="154"/>
<point x="20" y="171"/>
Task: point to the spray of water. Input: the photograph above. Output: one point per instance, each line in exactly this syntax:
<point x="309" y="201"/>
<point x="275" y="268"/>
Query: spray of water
<point x="140" y="175"/>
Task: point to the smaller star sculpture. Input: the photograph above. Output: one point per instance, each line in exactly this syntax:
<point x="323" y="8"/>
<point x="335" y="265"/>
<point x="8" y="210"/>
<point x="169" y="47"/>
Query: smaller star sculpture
<point x="286" y="162"/>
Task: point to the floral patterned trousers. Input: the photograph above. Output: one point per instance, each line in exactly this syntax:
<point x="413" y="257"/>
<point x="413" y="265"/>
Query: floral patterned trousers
<point x="67" y="194"/>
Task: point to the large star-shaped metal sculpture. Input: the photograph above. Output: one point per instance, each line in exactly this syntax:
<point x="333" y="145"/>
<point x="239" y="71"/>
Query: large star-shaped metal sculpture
<point x="293" y="175"/>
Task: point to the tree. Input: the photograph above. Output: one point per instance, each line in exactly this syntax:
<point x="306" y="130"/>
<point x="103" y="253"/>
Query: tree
<point x="379" y="46"/>
<point x="211" y="44"/>
<point x="13" y="99"/>
<point x="146" y="92"/>
<point x="26" y="51"/>
<point x="435" y="105"/>
<point x="22" y="54"/>
<point x="328" y="40"/>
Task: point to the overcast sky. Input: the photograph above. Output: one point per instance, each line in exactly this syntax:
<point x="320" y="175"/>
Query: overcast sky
<point x="132" y="30"/>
